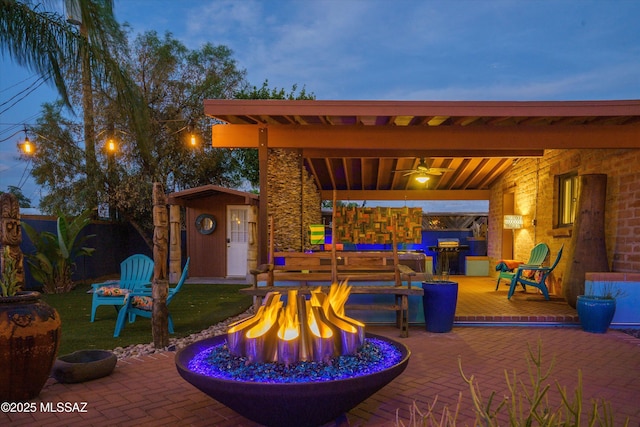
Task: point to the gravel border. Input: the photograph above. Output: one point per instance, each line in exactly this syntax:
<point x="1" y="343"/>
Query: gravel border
<point x="138" y="350"/>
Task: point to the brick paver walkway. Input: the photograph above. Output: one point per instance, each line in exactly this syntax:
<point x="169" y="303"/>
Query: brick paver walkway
<point x="149" y="392"/>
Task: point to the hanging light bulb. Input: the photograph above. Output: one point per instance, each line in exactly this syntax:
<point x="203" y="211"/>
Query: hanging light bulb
<point x="193" y="140"/>
<point x="111" y="146"/>
<point x="422" y="178"/>
<point x="27" y="147"/>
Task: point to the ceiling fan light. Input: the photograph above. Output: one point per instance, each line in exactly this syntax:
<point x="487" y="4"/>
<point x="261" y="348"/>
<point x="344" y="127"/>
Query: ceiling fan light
<point x="422" y="179"/>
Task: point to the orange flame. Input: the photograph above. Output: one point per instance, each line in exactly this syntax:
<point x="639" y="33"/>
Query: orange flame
<point x="302" y="330"/>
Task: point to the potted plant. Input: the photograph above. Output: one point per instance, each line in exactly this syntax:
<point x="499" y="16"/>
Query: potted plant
<point x="29" y="336"/>
<point x="478" y="243"/>
<point x="440" y="298"/>
<point x="597" y="306"/>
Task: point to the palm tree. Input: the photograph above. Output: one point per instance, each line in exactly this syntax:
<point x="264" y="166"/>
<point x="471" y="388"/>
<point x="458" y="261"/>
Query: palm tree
<point x="51" y="45"/>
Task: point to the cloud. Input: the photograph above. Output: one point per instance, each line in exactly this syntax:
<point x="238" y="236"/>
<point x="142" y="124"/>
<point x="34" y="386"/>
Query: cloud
<point x="616" y="81"/>
<point x="426" y="50"/>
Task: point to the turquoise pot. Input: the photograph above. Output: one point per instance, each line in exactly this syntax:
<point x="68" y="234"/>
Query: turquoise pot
<point x="595" y="313"/>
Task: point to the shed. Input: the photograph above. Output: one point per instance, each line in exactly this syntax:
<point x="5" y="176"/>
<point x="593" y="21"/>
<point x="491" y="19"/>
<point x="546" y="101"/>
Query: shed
<point x="219" y="222"/>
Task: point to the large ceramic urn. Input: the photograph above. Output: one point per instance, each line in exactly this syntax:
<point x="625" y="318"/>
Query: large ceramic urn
<point x="29" y="341"/>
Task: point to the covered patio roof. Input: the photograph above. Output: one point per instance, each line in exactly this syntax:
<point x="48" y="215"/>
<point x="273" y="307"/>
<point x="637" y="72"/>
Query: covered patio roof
<point x="354" y="147"/>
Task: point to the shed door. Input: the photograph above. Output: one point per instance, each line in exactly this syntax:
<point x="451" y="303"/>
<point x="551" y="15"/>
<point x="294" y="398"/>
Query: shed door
<point x="237" y="240"/>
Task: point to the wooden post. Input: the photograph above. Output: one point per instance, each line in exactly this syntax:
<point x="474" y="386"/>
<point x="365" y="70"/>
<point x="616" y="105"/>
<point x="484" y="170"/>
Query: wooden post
<point x="271" y="240"/>
<point x="252" y="243"/>
<point x="588" y="250"/>
<point x="175" y="244"/>
<point x="334" y="261"/>
<point x="263" y="211"/>
<point x="11" y="234"/>
<point x="160" y="284"/>
<point x="270" y="259"/>
<point x="394" y="242"/>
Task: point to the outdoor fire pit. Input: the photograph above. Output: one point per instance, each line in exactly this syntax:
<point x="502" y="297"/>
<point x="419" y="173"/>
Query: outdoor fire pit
<point x="311" y="385"/>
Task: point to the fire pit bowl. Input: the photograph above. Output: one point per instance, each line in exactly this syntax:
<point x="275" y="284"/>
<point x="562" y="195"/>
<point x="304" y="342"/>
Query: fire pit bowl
<point x="300" y="404"/>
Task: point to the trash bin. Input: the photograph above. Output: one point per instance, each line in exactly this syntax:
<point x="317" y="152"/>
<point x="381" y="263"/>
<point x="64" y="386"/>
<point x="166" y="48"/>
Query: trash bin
<point x="439" y="303"/>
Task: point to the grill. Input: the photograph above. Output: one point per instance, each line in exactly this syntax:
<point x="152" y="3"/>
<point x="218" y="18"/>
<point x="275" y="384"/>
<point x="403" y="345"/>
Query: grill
<point x="447" y="255"/>
<point x="448" y="244"/>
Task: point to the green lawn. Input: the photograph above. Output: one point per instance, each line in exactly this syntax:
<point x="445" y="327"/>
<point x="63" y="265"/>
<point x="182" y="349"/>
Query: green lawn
<point x="195" y="308"/>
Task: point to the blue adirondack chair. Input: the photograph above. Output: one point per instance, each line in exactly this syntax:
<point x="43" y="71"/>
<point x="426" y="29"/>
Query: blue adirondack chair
<point x="537" y="256"/>
<point x="135" y="274"/>
<point x="537" y="280"/>
<point x="141" y="304"/>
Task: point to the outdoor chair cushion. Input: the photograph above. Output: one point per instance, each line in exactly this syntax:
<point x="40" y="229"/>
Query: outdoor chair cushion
<point x="142" y="302"/>
<point x="111" y="291"/>
<point x="136" y="272"/>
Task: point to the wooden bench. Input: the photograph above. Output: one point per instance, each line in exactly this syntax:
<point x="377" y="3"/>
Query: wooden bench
<point x="323" y="268"/>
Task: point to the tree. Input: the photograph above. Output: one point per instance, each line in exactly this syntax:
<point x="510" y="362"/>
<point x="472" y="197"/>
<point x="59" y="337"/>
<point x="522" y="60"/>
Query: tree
<point x="248" y="157"/>
<point x="58" y="163"/>
<point x="85" y="47"/>
<point x="173" y="82"/>
<point x="23" y="201"/>
<point x="38" y="39"/>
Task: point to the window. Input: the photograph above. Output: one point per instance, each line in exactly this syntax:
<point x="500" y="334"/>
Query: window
<point x="567" y="199"/>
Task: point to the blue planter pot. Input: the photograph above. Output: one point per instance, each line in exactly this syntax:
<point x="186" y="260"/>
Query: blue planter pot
<point x="439" y="302"/>
<point x="595" y="313"/>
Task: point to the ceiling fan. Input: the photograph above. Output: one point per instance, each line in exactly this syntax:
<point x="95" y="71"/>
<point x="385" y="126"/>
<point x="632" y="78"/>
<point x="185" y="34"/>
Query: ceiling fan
<point x="423" y="169"/>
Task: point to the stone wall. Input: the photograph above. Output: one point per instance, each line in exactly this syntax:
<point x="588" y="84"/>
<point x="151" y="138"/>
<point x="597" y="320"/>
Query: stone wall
<point x="533" y="183"/>
<point x="311" y="207"/>
<point x="293" y="200"/>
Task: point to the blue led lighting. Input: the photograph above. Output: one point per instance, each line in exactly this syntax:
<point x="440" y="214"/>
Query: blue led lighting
<point x="375" y="355"/>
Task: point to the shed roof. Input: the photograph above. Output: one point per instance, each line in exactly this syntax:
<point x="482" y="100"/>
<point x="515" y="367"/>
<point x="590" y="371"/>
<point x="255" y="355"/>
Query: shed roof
<point x="182" y="197"/>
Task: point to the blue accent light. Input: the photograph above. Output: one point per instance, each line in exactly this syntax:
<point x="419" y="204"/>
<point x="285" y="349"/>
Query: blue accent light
<point x="374" y="356"/>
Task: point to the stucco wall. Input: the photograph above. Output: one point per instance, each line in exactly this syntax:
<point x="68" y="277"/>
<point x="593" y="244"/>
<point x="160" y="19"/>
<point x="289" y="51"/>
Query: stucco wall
<point x="533" y="184"/>
<point x="293" y="200"/>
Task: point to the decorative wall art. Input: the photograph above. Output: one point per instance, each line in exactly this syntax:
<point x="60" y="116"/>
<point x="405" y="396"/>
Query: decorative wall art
<point x="374" y="225"/>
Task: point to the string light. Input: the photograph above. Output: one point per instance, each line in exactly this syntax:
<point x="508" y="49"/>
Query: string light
<point x="27" y="148"/>
<point x="111" y="146"/>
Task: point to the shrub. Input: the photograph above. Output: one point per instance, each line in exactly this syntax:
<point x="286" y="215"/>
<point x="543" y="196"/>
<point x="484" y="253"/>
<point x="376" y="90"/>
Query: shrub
<point x="526" y="405"/>
<point x="53" y="262"/>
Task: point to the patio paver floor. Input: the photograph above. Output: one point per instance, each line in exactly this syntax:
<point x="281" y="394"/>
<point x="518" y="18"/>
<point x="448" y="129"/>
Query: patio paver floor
<point x="148" y="390"/>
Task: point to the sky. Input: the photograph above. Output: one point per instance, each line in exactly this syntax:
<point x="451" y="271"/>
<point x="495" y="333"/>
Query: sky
<point x="473" y="50"/>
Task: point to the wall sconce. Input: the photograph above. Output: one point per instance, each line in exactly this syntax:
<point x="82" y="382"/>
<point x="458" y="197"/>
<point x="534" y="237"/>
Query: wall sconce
<point x="513" y="222"/>
<point x="422" y="178"/>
